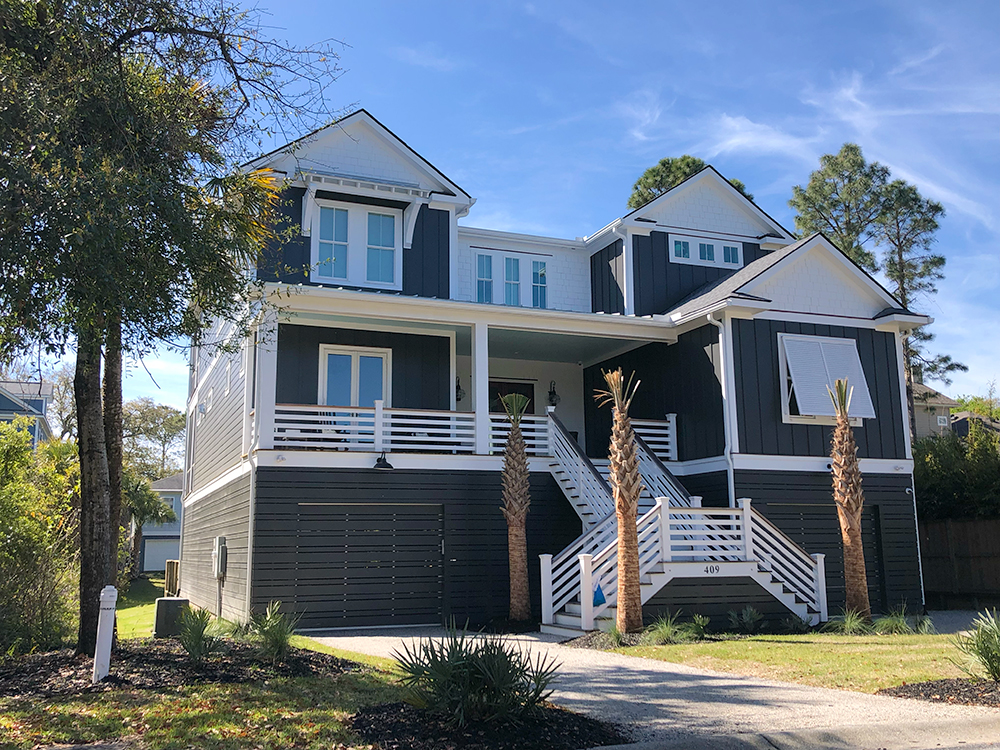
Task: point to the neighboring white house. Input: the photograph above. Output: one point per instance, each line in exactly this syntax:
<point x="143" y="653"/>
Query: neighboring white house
<point x="932" y="411"/>
<point x="162" y="541"/>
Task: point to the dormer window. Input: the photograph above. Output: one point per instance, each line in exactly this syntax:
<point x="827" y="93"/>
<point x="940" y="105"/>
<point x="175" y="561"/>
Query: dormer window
<point x="356" y="244"/>
<point x="706" y="251"/>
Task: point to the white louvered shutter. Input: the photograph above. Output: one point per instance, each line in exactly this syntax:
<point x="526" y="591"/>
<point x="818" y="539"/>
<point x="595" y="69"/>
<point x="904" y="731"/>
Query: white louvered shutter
<point x="816" y="363"/>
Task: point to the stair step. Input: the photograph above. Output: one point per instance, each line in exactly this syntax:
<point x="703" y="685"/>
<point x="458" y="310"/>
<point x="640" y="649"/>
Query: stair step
<point x="561" y="630"/>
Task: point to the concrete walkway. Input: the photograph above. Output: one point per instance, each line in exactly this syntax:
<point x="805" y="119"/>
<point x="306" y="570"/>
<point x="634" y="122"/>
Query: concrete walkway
<point x="671" y="705"/>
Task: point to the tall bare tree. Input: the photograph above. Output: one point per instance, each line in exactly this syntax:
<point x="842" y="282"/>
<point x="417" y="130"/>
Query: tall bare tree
<point x="626" y="486"/>
<point x="516" y="501"/>
<point x="850" y="500"/>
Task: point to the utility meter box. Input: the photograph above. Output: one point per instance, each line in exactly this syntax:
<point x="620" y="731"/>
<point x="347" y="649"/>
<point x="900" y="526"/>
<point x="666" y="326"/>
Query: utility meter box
<point x="219" y="555"/>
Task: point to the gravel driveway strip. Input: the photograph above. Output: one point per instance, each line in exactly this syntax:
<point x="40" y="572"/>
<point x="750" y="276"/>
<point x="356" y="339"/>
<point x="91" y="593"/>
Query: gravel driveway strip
<point x="669" y="703"/>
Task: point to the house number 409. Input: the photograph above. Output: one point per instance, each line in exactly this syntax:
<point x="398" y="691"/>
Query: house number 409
<point x="711" y="569"/>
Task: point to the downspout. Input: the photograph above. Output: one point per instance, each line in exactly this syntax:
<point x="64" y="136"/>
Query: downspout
<point x="726" y="406"/>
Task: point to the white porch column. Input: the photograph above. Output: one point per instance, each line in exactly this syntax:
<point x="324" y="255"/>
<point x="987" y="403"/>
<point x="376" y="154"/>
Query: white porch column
<point x="820" y="560"/>
<point x="546" y="568"/>
<point x="267" y="379"/>
<point x="586" y="592"/>
<point x="481" y="385"/>
<point x="747" y="523"/>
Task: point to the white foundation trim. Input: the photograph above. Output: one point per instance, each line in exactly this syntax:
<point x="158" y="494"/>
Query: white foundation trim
<point x="218" y="483"/>
<point x="753" y="462"/>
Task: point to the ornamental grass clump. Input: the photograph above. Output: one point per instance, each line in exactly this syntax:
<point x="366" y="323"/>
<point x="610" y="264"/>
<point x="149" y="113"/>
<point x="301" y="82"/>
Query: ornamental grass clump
<point x="474" y="679"/>
<point x="980" y="647"/>
<point x="200" y="634"/>
<point x="849" y="622"/>
<point x="748" y="620"/>
<point x="893" y="623"/>
<point x="273" y="631"/>
<point x="667" y="630"/>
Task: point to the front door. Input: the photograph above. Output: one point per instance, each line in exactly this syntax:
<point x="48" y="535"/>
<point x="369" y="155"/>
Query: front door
<point x="501" y="388"/>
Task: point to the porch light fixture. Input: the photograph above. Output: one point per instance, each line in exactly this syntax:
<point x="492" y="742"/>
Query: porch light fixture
<point x="554" y="397"/>
<point x="381" y="464"/>
<point x="459" y="390"/>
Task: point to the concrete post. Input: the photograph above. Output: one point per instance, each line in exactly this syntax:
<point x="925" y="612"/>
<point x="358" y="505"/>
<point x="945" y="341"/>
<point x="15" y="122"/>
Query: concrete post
<point x="105" y="631"/>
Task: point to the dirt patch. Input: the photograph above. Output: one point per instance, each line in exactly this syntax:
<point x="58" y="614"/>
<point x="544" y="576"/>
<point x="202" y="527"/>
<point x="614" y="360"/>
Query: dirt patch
<point x="399" y="726"/>
<point x="970" y="692"/>
<point x="155" y="665"/>
<point x="600" y="641"/>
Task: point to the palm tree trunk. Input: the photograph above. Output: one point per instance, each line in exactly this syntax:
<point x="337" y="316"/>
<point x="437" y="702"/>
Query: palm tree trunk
<point x="855" y="572"/>
<point x="516" y="501"/>
<point x="625" y="486"/>
<point x="517" y="546"/>
<point x="97" y="568"/>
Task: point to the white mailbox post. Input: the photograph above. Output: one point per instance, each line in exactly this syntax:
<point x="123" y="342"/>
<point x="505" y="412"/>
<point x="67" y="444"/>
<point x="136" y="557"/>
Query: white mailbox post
<point x="105" y="630"/>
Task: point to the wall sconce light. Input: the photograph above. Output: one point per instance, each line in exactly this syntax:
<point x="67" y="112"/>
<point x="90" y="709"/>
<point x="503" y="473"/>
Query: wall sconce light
<point x="554" y="398"/>
<point x="381" y="464"/>
<point x="459" y="390"/>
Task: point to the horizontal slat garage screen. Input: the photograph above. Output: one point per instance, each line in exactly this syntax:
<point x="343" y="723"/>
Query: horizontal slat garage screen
<point x="352" y="565"/>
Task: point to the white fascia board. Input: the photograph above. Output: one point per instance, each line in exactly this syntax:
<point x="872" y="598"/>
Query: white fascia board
<point x="292" y="298"/>
<point x="890" y="323"/>
<point x="487" y="235"/>
<point x="600" y="237"/>
<point x="297" y="459"/>
<point x="757" y="462"/>
<point x="744" y="308"/>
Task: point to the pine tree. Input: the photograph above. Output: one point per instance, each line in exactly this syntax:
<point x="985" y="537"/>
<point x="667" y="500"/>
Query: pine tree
<point x="844" y="200"/>
<point x="516" y="502"/>
<point x="905" y="230"/>
<point x="626" y="485"/>
<point x="668" y="172"/>
<point x="850" y="501"/>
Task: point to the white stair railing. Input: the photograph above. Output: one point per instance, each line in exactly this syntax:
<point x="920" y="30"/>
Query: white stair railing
<point x="593" y="490"/>
<point x="561" y="573"/>
<point x="661" y="436"/>
<point x="656" y="477"/>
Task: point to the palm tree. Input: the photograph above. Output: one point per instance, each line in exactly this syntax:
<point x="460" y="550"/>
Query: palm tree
<point x="516" y="500"/>
<point x="850" y="500"/>
<point x="625" y="486"/>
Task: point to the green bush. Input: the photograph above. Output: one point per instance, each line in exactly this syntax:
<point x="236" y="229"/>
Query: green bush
<point x="200" y="634"/>
<point x="894" y="623"/>
<point x="698" y="627"/>
<point x="273" y="632"/>
<point x="467" y="679"/>
<point x="980" y="647"/>
<point x="849" y="622"/>
<point x="795" y="625"/>
<point x="748" y="620"/>
<point x="924" y="625"/>
<point x="39" y="575"/>
<point x="668" y="630"/>
<point x="958" y="477"/>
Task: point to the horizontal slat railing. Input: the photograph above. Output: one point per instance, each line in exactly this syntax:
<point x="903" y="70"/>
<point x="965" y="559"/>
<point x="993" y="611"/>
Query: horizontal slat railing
<point x="373" y="429"/>
<point x="593" y="490"/>
<point x="660" y="435"/>
<point x="657" y="477"/>
<point x="800" y="573"/>
<point x="535" y="430"/>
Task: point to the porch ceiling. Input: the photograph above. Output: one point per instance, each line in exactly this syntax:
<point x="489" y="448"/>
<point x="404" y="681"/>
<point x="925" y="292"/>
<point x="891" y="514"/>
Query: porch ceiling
<point x="555" y="347"/>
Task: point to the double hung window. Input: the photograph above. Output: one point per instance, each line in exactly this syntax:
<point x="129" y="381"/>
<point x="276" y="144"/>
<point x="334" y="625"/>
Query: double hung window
<point x="484" y="279"/>
<point x="731" y="254"/>
<point x="356" y="244"/>
<point x="538" y="285"/>
<point x="682" y="249"/>
<point x="381" y="248"/>
<point x="706" y="251"/>
<point x="512" y="281"/>
<point x="332" y="243"/>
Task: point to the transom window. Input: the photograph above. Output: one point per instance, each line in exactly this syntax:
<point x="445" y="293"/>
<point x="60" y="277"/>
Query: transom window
<point x="484" y="278"/>
<point x="538" y="285"/>
<point x="332" y="243"/>
<point x="353" y="376"/>
<point x="711" y="252"/>
<point x="809" y="366"/>
<point x="381" y="248"/>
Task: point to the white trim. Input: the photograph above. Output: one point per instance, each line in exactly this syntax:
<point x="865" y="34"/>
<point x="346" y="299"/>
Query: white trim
<point x="355" y="353"/>
<point x="694" y="252"/>
<point x="904" y="406"/>
<point x="888" y="323"/>
<point x="525" y="239"/>
<point x="629" y="271"/>
<point x="784" y="375"/>
<point x="357" y="245"/>
<point x="761" y="462"/>
<point x="452" y="253"/>
<point x="698" y="466"/>
<point x="291" y="316"/>
<point x="218" y="483"/>
<point x="412" y="461"/>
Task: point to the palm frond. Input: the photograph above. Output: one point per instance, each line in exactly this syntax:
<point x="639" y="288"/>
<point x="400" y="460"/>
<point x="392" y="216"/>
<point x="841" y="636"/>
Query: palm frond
<point x="619" y="393"/>
<point x="841" y="395"/>
<point x="515" y="405"/>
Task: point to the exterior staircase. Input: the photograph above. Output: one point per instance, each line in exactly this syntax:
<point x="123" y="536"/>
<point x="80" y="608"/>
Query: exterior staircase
<point x="677" y="539"/>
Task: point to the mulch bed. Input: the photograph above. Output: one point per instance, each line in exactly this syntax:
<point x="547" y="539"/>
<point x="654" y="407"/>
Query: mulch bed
<point x="970" y="692"/>
<point x="155" y="665"/>
<point x="600" y="641"/>
<point x="399" y="726"/>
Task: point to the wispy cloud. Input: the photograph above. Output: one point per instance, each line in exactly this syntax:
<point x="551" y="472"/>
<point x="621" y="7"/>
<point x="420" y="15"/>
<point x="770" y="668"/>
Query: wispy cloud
<point x="917" y="60"/>
<point x="641" y="110"/>
<point x="739" y="134"/>
<point x="425" y="57"/>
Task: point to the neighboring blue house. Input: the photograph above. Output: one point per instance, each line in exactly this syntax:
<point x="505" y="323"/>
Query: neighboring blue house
<point x="27" y="399"/>
<point x="162" y="541"/>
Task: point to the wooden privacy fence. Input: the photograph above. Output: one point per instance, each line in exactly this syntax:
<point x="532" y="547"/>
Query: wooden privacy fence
<point x="961" y="561"/>
<point x="172" y="581"/>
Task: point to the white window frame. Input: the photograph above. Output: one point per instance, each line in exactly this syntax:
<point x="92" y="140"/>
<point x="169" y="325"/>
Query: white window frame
<point x="357" y="245"/>
<point x="943" y="420"/>
<point x="355" y="352"/>
<point x="785" y="377"/>
<point x="694" y="251"/>
<point x="542" y="285"/>
<point x="490" y="279"/>
<point x="524" y="283"/>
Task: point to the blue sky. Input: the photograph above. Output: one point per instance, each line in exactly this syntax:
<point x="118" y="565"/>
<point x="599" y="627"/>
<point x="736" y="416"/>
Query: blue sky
<point x="548" y="112"/>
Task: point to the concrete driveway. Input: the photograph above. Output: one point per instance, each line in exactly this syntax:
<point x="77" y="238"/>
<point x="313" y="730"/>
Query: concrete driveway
<point x="671" y="705"/>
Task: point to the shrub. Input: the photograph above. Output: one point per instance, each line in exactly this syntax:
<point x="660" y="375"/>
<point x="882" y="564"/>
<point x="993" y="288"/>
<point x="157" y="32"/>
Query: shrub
<point x="981" y="646"/>
<point x="698" y="627"/>
<point x="273" y="631"/>
<point x="615" y="637"/>
<point x="796" y="625"/>
<point x="748" y="620"/>
<point x="849" y="622"/>
<point x="924" y="625"/>
<point x="199" y="633"/>
<point x="894" y="623"/>
<point x="666" y="630"/>
<point x="474" y="679"/>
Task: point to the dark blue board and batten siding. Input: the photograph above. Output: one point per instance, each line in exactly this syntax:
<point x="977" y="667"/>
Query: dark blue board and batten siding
<point x="758" y="392"/>
<point x="425" y="264"/>
<point x="607" y="279"/>
<point x="421" y="365"/>
<point x="354" y="548"/>
<point x="681" y="379"/>
<point x="660" y="284"/>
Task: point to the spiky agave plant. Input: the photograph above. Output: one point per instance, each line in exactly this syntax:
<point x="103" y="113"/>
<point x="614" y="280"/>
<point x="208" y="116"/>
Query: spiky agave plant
<point x="850" y="500"/>
<point x="516" y="501"/>
<point x="626" y="485"/>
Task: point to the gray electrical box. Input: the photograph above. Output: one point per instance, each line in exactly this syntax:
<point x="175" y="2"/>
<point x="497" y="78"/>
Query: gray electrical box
<point x="168" y="616"/>
<point x="219" y="557"/>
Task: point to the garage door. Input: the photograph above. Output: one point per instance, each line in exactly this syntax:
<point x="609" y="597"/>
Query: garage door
<point x="156" y="552"/>
<point x="347" y="565"/>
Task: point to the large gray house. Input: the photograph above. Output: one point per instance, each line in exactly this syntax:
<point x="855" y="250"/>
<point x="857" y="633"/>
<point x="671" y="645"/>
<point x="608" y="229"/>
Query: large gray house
<point x="347" y="461"/>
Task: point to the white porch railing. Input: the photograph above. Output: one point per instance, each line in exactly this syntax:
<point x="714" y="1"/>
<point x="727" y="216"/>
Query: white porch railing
<point x="535" y="430"/>
<point x="660" y="436"/>
<point x="586" y="488"/>
<point x="373" y="429"/>
<point x="800" y="572"/>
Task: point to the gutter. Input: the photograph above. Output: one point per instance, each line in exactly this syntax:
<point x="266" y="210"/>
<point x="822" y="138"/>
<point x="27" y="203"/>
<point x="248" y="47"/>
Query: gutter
<point x="726" y="407"/>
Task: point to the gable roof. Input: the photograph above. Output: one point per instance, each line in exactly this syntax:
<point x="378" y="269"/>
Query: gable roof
<point x="923" y="394"/>
<point x="362" y="115"/>
<point x="708" y="172"/>
<point x="175" y="482"/>
<point x="736" y="286"/>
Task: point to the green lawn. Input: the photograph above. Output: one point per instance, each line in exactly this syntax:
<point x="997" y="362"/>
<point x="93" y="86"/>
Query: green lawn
<point x="862" y="663"/>
<point x="137" y="608"/>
